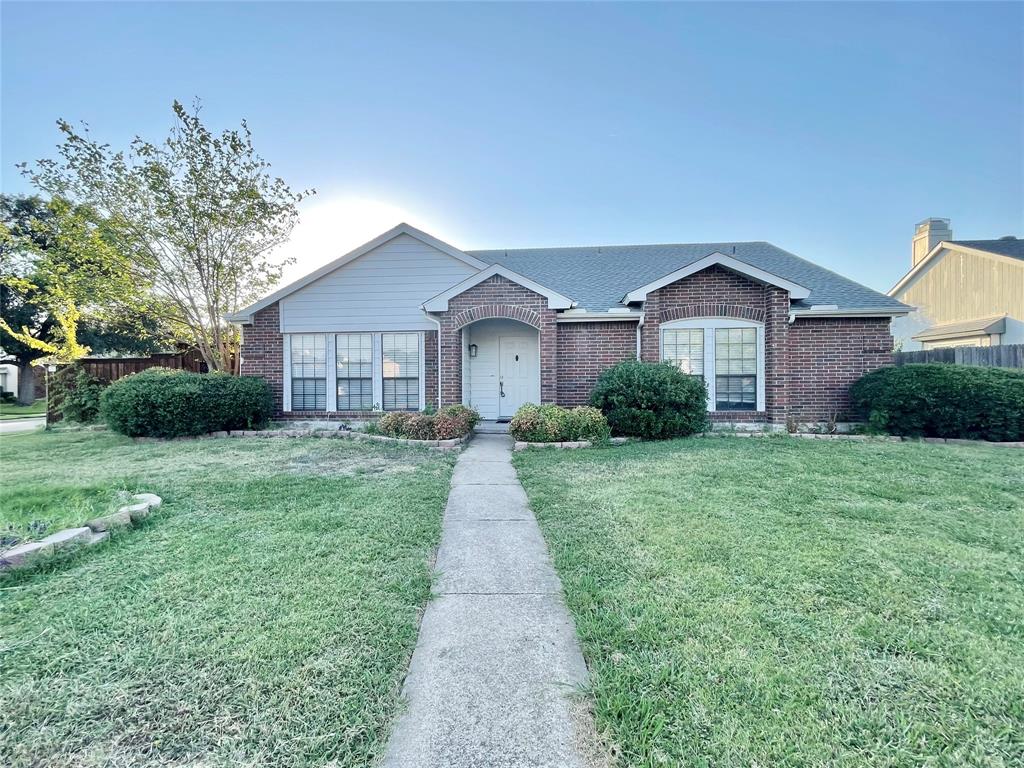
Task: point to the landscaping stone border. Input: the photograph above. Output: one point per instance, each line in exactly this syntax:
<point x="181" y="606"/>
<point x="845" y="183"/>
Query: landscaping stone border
<point x="341" y="434"/>
<point x="520" y="445"/>
<point x="92" y="533"/>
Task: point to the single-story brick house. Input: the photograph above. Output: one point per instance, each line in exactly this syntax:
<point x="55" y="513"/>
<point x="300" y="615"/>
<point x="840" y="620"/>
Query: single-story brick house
<point x="407" y="321"/>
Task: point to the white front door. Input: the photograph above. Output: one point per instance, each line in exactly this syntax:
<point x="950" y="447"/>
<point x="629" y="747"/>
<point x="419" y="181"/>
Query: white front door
<point x="517" y="374"/>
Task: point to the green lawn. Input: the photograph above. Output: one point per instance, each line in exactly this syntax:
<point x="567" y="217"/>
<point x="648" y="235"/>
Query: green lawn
<point x="9" y="411"/>
<point x="264" y="616"/>
<point x="787" y="602"/>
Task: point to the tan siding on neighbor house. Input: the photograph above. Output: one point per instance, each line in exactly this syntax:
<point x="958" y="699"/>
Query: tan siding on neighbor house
<point x="964" y="286"/>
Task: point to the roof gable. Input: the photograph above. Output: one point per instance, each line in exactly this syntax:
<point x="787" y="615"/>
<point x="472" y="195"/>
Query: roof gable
<point x="245" y="315"/>
<point x="439" y="303"/>
<point x="796" y="291"/>
<point x="994" y="249"/>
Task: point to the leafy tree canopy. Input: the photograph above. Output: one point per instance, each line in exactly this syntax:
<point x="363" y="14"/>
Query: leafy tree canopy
<point x="196" y="216"/>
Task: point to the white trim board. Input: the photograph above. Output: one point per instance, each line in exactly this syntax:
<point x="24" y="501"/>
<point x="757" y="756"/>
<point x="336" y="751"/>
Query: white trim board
<point x="439" y="303"/>
<point x="245" y="315"/>
<point x="796" y="291"/>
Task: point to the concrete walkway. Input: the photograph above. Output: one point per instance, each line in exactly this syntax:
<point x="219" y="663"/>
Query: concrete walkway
<point x="22" y="425"/>
<point x="497" y="661"/>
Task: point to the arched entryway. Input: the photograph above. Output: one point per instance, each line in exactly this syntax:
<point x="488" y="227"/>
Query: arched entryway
<point x="501" y="366"/>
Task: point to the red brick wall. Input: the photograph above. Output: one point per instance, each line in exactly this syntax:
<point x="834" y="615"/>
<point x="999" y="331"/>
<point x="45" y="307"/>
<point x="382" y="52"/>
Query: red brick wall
<point x="586" y="349"/>
<point x="719" y="292"/>
<point x="430" y="361"/>
<point x="826" y="355"/>
<point x="809" y="365"/>
<point x="263" y="351"/>
<point x="496" y="297"/>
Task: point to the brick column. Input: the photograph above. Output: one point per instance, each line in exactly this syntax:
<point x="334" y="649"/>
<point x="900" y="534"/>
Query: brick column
<point x="263" y="352"/>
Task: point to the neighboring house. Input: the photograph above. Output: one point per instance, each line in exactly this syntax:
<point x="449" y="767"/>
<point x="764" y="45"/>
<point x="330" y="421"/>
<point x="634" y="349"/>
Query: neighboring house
<point x="407" y="320"/>
<point x="9" y="378"/>
<point x="966" y="293"/>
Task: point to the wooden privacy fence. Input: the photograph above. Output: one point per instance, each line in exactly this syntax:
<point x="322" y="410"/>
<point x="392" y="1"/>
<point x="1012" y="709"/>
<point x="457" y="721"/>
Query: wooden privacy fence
<point x="113" y="368"/>
<point x="108" y="369"/>
<point x="1005" y="356"/>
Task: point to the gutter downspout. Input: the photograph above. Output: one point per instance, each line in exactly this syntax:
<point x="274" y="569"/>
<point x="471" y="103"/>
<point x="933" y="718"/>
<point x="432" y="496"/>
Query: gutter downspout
<point x="639" y="329"/>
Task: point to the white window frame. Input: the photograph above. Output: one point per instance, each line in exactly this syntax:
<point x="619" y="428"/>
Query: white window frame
<point x="709" y="325"/>
<point x="328" y="358"/>
<point x="332" y="398"/>
<point x="332" y="369"/>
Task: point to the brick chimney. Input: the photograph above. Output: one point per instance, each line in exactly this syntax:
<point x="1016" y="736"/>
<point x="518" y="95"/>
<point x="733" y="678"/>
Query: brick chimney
<point x="928" y="234"/>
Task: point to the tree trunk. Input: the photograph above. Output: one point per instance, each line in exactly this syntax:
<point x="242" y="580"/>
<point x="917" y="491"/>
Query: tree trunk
<point x="26" y="384"/>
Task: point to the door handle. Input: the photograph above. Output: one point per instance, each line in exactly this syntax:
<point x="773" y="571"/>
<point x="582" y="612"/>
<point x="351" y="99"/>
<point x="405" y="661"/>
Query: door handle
<point x="501" y="388"/>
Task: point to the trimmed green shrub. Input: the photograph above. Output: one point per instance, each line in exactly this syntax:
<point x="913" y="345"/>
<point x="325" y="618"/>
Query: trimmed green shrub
<point x="455" y="421"/>
<point x="393" y="423"/>
<point x="554" y="424"/>
<point x="166" y="403"/>
<point x="450" y="422"/>
<point x="587" y="423"/>
<point x="420" y="427"/>
<point x="651" y="400"/>
<point x="942" y="400"/>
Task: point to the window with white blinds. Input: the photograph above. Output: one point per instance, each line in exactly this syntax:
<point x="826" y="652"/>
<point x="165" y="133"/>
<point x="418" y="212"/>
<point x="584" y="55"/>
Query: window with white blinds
<point x="735" y="369"/>
<point x="309" y="372"/>
<point x="354" y="356"/>
<point x="400" y="353"/>
<point x="354" y="371"/>
<point x="727" y="353"/>
<point x="684" y="348"/>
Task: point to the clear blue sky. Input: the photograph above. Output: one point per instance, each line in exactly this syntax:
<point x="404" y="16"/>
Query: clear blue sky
<point x="828" y="129"/>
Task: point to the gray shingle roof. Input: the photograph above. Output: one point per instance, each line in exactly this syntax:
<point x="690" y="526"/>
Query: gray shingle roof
<point x="598" y="277"/>
<point x="1013" y="248"/>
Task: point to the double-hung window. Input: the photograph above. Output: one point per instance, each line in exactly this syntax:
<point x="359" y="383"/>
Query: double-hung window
<point x="684" y="348"/>
<point x="309" y="372"/>
<point x="357" y="371"/>
<point x="400" y="353"/>
<point x="727" y="353"/>
<point x="354" y="356"/>
<point x="735" y="369"/>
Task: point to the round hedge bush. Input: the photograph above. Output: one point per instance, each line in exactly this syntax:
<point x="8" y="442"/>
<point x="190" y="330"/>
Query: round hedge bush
<point x="651" y="400"/>
<point x="554" y="424"/>
<point x="161" y="402"/>
<point x="942" y="400"/>
<point x="450" y="422"/>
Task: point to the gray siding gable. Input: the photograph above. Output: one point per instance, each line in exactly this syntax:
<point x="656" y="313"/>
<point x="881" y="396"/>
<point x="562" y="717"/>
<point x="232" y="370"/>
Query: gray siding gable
<point x="382" y="290"/>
